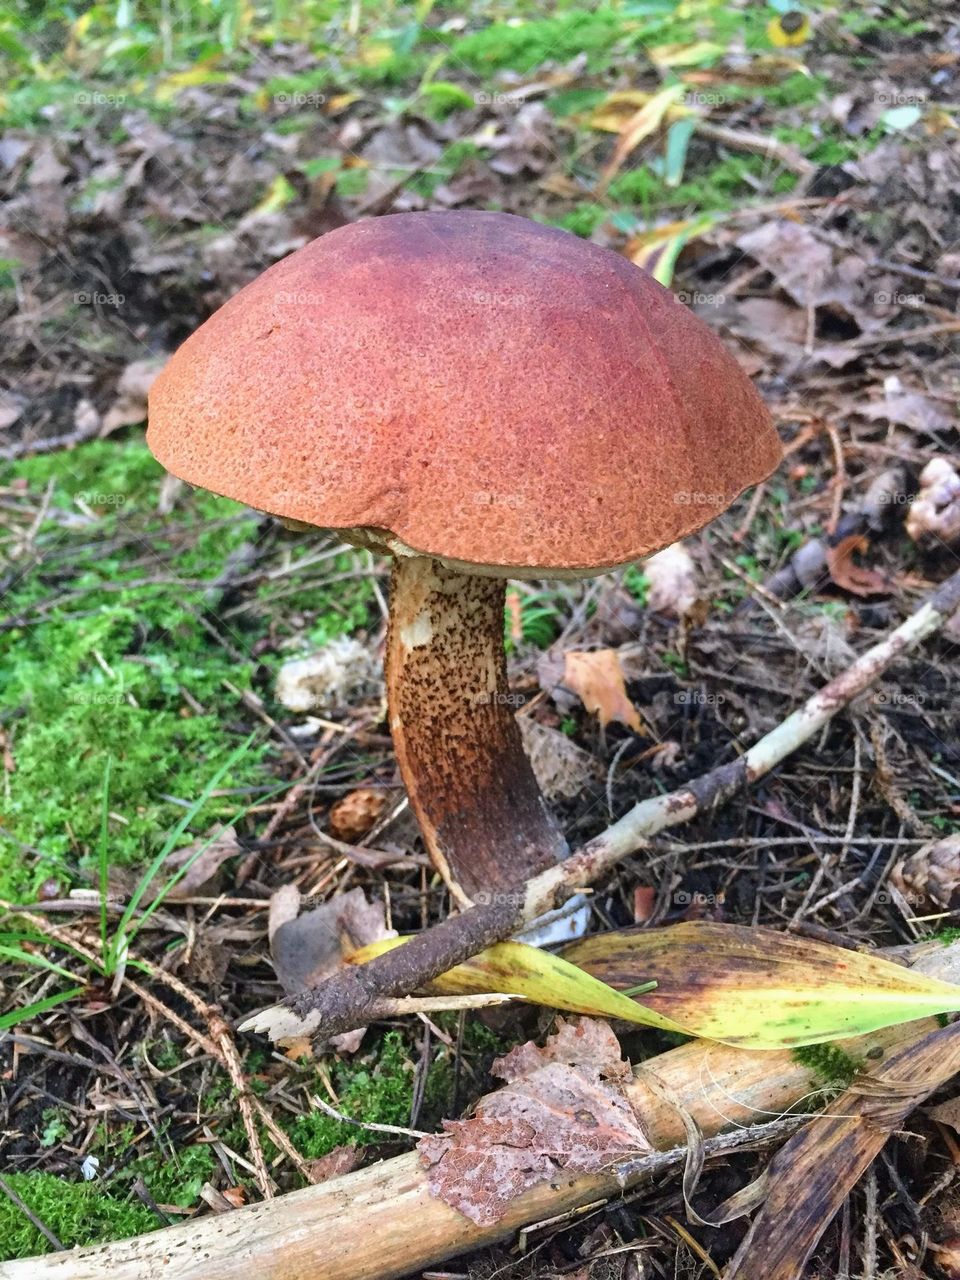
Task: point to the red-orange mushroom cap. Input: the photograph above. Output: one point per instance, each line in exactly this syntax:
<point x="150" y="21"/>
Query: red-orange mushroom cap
<point x="471" y="386"/>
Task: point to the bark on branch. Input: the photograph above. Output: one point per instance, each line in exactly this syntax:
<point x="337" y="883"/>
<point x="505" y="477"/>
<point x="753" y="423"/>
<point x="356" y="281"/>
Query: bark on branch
<point x="348" y="999"/>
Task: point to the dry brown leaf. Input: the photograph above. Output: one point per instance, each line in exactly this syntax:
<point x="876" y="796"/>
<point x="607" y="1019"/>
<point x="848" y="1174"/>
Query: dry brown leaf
<point x="562" y="1108"/>
<point x="335" y="1163"/>
<point x="130" y="406"/>
<point x="201" y="876"/>
<point x="310" y="948"/>
<point x="930" y="877"/>
<point x="850" y="576"/>
<point x="597" y="680"/>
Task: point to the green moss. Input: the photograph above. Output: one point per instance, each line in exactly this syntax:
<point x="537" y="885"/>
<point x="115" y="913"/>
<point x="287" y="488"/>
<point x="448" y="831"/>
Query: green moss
<point x="377" y="1090"/>
<point x="113" y="658"/>
<point x="829" y="1064"/>
<point x="77" y="1213"/>
<point x="524" y="46"/>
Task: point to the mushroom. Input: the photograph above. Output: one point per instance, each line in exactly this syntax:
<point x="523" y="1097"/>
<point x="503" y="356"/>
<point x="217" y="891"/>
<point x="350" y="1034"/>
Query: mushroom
<point x="479" y="397"/>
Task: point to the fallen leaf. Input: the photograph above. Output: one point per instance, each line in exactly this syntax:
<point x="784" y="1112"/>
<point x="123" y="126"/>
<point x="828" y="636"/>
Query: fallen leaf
<point x="335" y="1164"/>
<point x="639" y="126"/>
<point x="930" y="877"/>
<point x="758" y="988"/>
<point x="310" y="948"/>
<point x="657" y="251"/>
<point x="130" y="406"/>
<point x="850" y="576"/>
<point x="811" y="1175"/>
<point x="597" y="680"/>
<point x="562" y="1108"/>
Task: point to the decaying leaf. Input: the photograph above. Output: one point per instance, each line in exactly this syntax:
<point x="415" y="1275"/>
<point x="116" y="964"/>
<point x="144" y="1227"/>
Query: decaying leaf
<point x="563" y="1107"/>
<point x="130" y="406"/>
<point x="306" y="949"/>
<point x="850" y="576"/>
<point x="187" y="871"/>
<point x="309" y="948"/>
<point x="639" y="126"/>
<point x="934" y="515"/>
<point x="672" y="579"/>
<point x="758" y="988"/>
<point x="597" y="680"/>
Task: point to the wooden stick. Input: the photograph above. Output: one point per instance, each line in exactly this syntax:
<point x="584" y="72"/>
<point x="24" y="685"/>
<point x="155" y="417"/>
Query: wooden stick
<point x="382" y="1222"/>
<point x="348" y="999"/>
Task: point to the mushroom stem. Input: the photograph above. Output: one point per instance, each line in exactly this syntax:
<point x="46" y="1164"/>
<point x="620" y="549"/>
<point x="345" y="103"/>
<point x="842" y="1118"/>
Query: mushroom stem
<point x="484" y="821"/>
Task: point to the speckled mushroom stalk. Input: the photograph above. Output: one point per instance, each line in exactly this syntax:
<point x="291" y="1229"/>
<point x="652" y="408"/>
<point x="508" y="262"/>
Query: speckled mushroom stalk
<point x="483" y="818"/>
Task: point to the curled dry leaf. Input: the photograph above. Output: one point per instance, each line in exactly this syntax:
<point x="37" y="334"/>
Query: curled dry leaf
<point x="197" y="865"/>
<point x="935" y="513"/>
<point x="850" y="576"/>
<point x="130" y="406"/>
<point x="563" y="1107"/>
<point x="597" y="680"/>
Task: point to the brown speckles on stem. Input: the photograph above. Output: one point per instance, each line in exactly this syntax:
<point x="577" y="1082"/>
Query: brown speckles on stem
<point x="470" y="784"/>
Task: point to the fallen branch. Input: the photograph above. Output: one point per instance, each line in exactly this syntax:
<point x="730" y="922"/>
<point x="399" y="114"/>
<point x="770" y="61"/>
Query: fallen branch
<point x="382" y="1221"/>
<point x="348" y="999"/>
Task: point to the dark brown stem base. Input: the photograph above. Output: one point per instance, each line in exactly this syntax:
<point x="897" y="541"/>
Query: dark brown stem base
<point x="484" y="821"/>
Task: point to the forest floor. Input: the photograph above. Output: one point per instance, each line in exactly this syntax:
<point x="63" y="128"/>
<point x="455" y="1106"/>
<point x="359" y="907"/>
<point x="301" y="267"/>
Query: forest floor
<point x="803" y="200"/>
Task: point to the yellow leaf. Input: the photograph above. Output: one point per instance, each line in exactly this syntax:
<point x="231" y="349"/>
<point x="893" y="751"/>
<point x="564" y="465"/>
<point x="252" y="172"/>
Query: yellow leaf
<point x="202" y="73"/>
<point x="761" y="989"/>
<point x="685" y="55"/>
<point x="597" y="680"/>
<point x="515" y="969"/>
<point x="641" y="125"/>
<point x="610" y="114"/>
<point x="657" y="251"/>
<point x="279" y="195"/>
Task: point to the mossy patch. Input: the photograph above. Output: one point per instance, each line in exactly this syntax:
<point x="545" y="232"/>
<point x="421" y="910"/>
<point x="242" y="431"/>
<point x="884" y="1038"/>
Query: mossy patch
<point x="77" y="1213"/>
